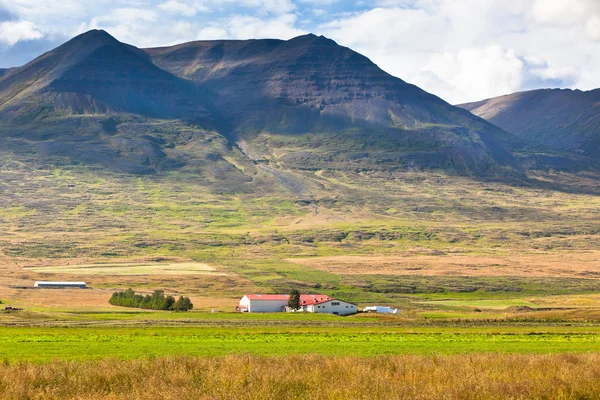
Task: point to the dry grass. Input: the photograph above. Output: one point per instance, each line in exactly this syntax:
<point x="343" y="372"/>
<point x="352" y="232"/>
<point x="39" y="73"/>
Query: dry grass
<point x="557" y="265"/>
<point x="130" y="269"/>
<point x="206" y="289"/>
<point x="300" y="377"/>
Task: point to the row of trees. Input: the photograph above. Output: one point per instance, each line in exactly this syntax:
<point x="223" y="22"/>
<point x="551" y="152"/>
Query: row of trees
<point x="155" y="301"/>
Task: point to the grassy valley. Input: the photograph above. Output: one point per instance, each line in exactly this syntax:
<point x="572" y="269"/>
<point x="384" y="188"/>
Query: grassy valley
<point x="214" y="169"/>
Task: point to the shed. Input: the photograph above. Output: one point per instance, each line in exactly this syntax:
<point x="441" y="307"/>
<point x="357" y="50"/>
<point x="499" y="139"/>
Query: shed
<point x="60" y="285"/>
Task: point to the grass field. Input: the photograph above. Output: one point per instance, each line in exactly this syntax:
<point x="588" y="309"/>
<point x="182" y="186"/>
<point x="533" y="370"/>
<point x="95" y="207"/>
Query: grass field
<point x="310" y="376"/>
<point x="48" y="344"/>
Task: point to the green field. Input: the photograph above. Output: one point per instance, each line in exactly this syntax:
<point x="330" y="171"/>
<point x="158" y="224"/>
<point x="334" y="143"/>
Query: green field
<point x="47" y="344"/>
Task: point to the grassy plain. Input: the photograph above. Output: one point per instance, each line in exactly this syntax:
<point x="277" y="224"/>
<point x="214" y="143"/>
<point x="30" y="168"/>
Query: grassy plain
<point x="477" y="268"/>
<point x="481" y="376"/>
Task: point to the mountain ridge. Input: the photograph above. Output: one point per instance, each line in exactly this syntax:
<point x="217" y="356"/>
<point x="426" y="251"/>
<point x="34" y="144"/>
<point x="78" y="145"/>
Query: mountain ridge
<point x="560" y="119"/>
<point x="301" y="104"/>
<point x="92" y="73"/>
<point x="332" y="87"/>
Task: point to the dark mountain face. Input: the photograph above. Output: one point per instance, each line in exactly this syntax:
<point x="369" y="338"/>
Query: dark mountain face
<point x="563" y="120"/>
<point x="292" y="98"/>
<point x="302" y="104"/>
<point x="3" y="71"/>
<point x="95" y="74"/>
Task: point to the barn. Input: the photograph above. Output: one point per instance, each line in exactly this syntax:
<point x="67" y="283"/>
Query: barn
<point x="60" y="285"/>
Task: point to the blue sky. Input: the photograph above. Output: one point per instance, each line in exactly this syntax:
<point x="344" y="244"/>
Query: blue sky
<point x="460" y="50"/>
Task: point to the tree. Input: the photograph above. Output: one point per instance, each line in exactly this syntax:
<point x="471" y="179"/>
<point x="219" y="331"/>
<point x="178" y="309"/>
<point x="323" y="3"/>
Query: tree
<point x="183" y="304"/>
<point x="294" y="300"/>
<point x="169" y="302"/>
<point x="156" y="301"/>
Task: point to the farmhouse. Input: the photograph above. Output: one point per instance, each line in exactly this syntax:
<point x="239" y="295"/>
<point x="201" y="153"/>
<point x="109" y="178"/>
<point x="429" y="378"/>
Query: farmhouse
<point x="316" y="303"/>
<point x="60" y="285"/>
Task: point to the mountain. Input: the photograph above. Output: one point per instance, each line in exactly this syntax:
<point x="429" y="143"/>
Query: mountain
<point x="560" y="119"/>
<point x="229" y="110"/>
<point x="3" y="71"/>
<point x="94" y="74"/>
<point x="308" y="101"/>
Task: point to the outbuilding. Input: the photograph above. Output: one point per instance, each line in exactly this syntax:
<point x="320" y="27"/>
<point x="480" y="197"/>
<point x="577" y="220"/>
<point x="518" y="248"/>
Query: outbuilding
<point x="381" y="310"/>
<point x="59" y="285"/>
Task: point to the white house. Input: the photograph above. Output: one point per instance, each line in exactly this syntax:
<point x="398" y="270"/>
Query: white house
<point x="60" y="285"/>
<point x="333" y="306"/>
<point x="316" y="303"/>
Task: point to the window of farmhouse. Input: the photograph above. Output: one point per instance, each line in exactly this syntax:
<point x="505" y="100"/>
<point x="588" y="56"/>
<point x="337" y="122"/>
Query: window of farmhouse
<point x="335" y="303"/>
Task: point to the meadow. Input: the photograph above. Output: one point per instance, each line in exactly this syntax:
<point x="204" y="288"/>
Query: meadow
<point x="494" y="280"/>
<point x="479" y="376"/>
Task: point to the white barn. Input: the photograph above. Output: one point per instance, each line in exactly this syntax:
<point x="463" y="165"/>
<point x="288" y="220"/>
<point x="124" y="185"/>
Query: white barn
<point x="60" y="285"/>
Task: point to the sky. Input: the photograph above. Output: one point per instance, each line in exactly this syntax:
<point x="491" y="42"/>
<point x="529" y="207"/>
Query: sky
<point x="460" y="50"/>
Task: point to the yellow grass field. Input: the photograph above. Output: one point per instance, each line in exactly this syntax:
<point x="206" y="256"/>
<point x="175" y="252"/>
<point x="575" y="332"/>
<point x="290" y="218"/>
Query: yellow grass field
<point x="208" y="287"/>
<point x="183" y="268"/>
<point x="478" y="376"/>
<point x="559" y="265"/>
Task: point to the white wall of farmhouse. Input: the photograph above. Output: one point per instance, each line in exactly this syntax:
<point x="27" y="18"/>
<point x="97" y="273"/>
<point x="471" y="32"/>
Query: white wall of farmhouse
<point x="334" y="307"/>
<point x="263" y="305"/>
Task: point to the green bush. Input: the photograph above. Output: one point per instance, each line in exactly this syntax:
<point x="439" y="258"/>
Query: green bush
<point x="156" y="301"/>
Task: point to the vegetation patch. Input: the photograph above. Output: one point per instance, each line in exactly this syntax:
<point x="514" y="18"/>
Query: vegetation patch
<point x="155" y="301"/>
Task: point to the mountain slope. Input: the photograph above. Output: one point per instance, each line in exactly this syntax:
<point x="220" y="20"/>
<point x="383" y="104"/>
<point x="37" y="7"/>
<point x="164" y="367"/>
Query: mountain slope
<point x="564" y="120"/>
<point x="66" y="106"/>
<point x="308" y="100"/>
<point x="228" y="110"/>
<point x="94" y="73"/>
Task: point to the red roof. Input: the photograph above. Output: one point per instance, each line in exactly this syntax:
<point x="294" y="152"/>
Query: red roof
<point x="305" y="299"/>
<point x="310" y="299"/>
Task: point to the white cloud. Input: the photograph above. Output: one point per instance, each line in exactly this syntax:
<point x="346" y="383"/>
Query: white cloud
<point x="245" y="27"/>
<point x="578" y="14"/>
<point x="465" y="50"/>
<point x="593" y="27"/>
<point x="12" y="32"/>
<point x="186" y="9"/>
<point x="477" y="73"/>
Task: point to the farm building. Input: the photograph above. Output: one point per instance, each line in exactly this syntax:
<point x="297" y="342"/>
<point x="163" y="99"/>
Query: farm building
<point x="60" y="285"/>
<point x="381" y="310"/>
<point x="315" y="303"/>
<point x="331" y="306"/>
